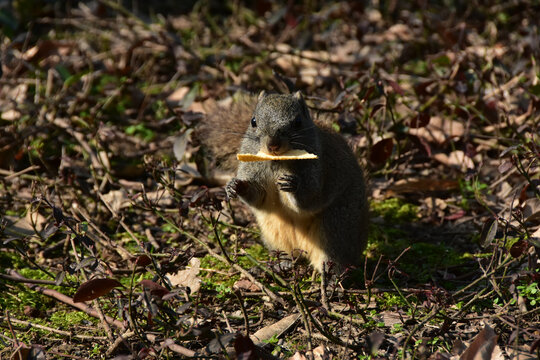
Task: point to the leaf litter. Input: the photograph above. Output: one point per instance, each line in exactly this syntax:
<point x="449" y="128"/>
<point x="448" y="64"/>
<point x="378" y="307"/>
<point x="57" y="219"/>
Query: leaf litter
<point x="102" y="180"/>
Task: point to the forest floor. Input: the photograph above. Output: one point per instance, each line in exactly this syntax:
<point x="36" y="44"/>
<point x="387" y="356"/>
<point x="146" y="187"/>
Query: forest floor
<point x="116" y="239"/>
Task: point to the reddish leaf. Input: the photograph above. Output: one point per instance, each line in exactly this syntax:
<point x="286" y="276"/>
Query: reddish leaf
<point x="375" y="109"/>
<point x="395" y="86"/>
<point x="534" y="345"/>
<point x="523" y="194"/>
<point x="470" y="150"/>
<point x="143" y="260"/>
<point x="19" y="154"/>
<point x="144" y="353"/>
<point x="244" y="347"/>
<point x="381" y="151"/>
<point x="291" y="20"/>
<point x="95" y="288"/>
<point x="368" y="93"/>
<point x="422" y="144"/>
<point x="519" y="248"/>
<point x="421" y="88"/>
<point x="419" y="121"/>
<point x="457" y="215"/>
<point x="155" y="288"/>
<point x="505" y="166"/>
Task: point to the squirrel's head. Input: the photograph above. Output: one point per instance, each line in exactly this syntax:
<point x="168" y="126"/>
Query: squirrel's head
<point x="281" y="123"/>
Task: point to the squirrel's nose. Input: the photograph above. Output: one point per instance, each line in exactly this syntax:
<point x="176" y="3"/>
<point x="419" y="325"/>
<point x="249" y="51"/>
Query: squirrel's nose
<point x="273" y="146"/>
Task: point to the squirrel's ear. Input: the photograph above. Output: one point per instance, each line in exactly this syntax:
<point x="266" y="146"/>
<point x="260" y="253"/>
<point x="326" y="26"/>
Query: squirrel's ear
<point x="298" y="96"/>
<point x="262" y="94"/>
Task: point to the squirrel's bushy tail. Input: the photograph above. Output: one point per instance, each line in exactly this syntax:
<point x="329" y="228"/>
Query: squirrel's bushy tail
<point x="223" y="128"/>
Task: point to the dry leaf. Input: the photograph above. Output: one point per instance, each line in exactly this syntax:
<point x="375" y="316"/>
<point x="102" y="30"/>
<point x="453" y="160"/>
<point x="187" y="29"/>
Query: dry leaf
<point x="390" y="318"/>
<point x="117" y="199"/>
<point x="246" y="284"/>
<point x="456" y="159"/>
<point x="321" y="352"/>
<point x="483" y="346"/>
<point x="298" y="356"/>
<point x="536" y="235"/>
<point x="439" y="130"/>
<point x="531" y="210"/>
<point x="180" y="144"/>
<point x="10" y="115"/>
<point x="275" y="329"/>
<point x="178" y="94"/>
<point x="188" y="277"/>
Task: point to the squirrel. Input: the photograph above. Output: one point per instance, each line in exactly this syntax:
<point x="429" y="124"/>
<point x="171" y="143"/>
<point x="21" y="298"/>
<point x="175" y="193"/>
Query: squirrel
<point x="318" y="206"/>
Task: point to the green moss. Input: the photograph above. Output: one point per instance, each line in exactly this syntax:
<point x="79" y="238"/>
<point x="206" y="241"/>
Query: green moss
<point x="128" y="243"/>
<point x="141" y="131"/>
<point x="65" y="319"/>
<point x="395" y="210"/>
<point x="18" y="296"/>
<point x="389" y="300"/>
<point x="419" y="261"/>
<point x="424" y="258"/>
<point x="216" y="280"/>
<point x="9" y="260"/>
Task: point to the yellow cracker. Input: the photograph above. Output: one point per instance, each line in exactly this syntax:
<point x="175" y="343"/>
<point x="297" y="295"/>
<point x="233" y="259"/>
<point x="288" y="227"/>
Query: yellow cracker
<point x="294" y="154"/>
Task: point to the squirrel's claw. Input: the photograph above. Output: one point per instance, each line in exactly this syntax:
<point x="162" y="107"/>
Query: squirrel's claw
<point x="235" y="188"/>
<point x="288" y="183"/>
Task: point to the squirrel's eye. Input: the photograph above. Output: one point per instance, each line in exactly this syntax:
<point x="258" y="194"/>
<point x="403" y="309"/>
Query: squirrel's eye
<point x="297" y="123"/>
<point x="253" y="122"/>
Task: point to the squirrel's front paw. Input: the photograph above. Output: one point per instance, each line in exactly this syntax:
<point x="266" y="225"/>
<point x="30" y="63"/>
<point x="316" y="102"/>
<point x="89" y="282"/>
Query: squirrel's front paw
<point x="288" y="183"/>
<point x="236" y="187"/>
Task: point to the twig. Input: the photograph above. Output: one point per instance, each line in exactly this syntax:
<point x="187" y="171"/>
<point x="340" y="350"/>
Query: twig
<point x="57" y="331"/>
<point x="181" y="350"/>
<point x="304" y="311"/>
<point x="29" y="281"/>
<point x="10" y="175"/>
<point x="120" y="339"/>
